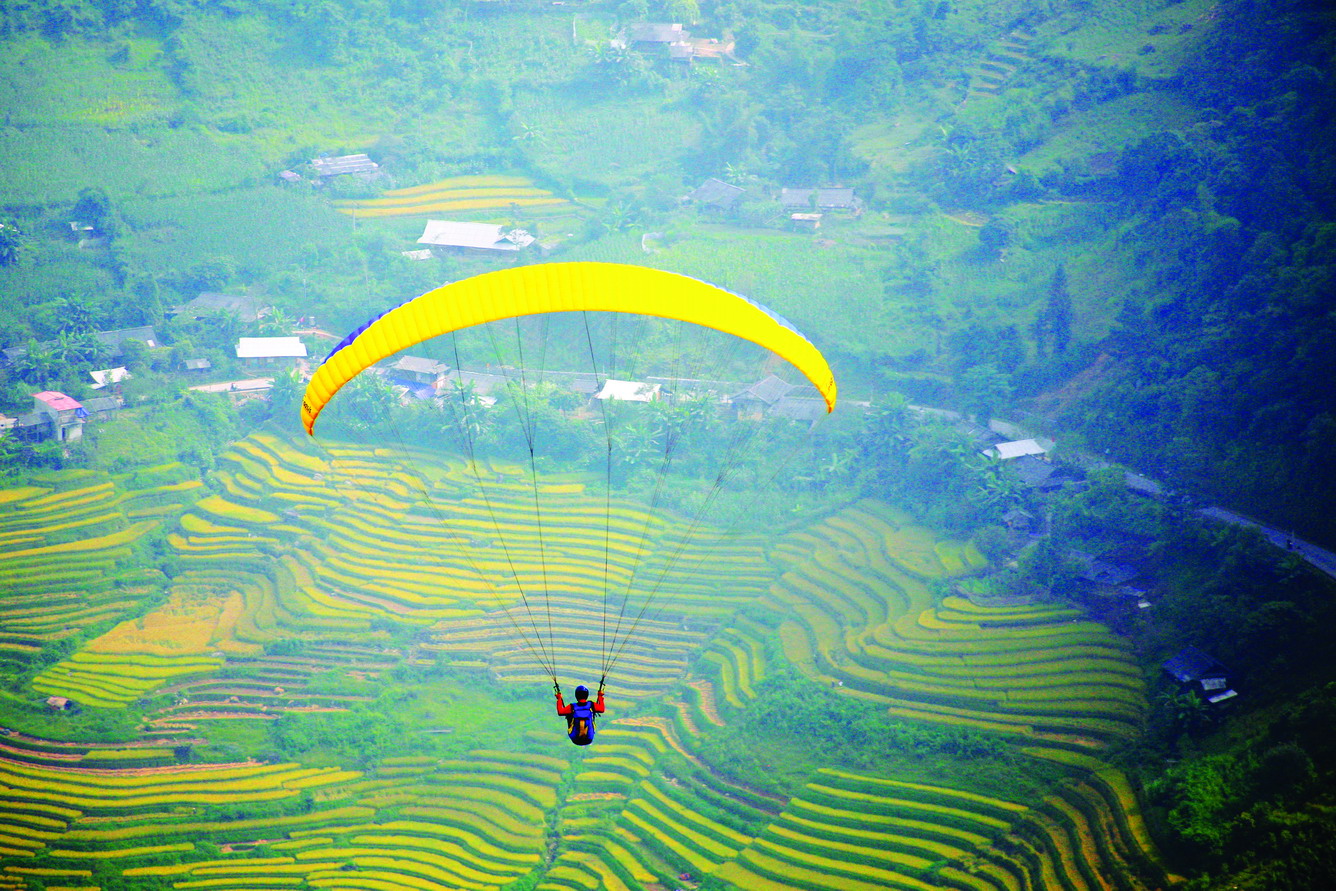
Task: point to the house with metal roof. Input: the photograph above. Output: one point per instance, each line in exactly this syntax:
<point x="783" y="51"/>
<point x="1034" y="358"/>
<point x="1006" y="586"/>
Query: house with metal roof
<point x="1200" y="673"/>
<point x="716" y="194"/>
<point x="453" y="235"/>
<point x="244" y="307"/>
<point x="114" y="340"/>
<point x="343" y="165"/>
<point x="282" y="351"/>
<point x="106" y="376"/>
<point x="655" y="32"/>
<point x="767" y="391"/>
<point x="826" y="199"/>
<point x="64" y="414"/>
<point x="1007" y="451"/>
<point x="629" y="391"/>
<point x="419" y="370"/>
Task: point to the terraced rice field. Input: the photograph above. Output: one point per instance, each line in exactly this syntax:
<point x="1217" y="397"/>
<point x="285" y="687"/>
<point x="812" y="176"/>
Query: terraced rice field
<point x="426" y="546"/>
<point x="65" y="541"/>
<point x="860" y="614"/>
<point x="292" y="542"/>
<point x="990" y="76"/>
<point x="475" y="823"/>
<point x="418" y="540"/>
<point x="655" y="815"/>
<point x="461" y="196"/>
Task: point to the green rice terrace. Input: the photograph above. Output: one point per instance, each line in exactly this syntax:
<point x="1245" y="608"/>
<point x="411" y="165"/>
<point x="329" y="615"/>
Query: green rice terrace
<point x="307" y="591"/>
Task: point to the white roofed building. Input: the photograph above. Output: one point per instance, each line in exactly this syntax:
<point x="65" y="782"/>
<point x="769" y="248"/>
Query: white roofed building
<point x="629" y="391"/>
<point x="461" y="236"/>
<point x="344" y="164"/>
<point x="108" y="376"/>
<point x="1006" y="451"/>
<point x="286" y="351"/>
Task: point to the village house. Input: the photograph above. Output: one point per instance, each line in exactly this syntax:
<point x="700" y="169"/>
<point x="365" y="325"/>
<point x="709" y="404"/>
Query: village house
<point x="805" y="222"/>
<point x="114" y="341"/>
<point x="1201" y="673"/>
<point x="100" y="408"/>
<point x="64" y="415"/>
<point x="681" y="46"/>
<point x="652" y="33"/>
<point x="200" y="365"/>
<point x="629" y="391"/>
<point x="108" y="376"/>
<point x="344" y="165"/>
<point x="60" y="704"/>
<point x="459" y="237"/>
<point x="773" y="395"/>
<point x="58" y="419"/>
<point x="1105" y="576"/>
<point x="417" y="370"/>
<point x="800" y="408"/>
<point x="760" y="396"/>
<point x="280" y="352"/>
<point x="706" y="48"/>
<point x="30" y="426"/>
<point x="826" y="200"/>
<point x="1008" y="451"/>
<point x="716" y="195"/>
<point x="1037" y="474"/>
<point x="246" y="308"/>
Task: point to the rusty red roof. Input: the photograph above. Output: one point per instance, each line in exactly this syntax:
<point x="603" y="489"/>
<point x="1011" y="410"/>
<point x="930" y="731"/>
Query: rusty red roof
<point x="57" y="401"/>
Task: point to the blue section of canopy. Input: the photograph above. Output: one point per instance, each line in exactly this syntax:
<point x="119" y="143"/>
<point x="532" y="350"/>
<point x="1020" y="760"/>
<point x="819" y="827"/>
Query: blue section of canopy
<point x="358" y="333"/>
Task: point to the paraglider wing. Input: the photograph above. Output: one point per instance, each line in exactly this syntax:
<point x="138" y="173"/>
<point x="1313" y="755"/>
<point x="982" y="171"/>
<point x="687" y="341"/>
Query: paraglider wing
<point x="562" y="287"/>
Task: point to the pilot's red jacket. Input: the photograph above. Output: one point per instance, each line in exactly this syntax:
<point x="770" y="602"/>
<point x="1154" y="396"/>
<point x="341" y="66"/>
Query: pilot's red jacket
<point x="565" y="710"/>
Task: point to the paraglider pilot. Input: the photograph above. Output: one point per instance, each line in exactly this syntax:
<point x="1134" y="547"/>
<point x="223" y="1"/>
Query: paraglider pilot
<point x="580" y="714"/>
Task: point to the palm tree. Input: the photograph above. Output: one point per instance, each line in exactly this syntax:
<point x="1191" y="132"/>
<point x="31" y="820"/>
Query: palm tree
<point x="276" y="324"/>
<point x="635" y="445"/>
<point x="285" y="394"/>
<point x="464" y="415"/>
<point x="36" y="364"/>
<point x="530" y="134"/>
<point x="77" y="349"/>
<point x="74" y="314"/>
<point x="11" y="243"/>
<point x="222" y="328"/>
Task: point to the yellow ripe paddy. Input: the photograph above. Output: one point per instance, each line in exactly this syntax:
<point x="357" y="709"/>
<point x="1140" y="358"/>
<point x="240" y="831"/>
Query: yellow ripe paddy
<point x="463" y="193"/>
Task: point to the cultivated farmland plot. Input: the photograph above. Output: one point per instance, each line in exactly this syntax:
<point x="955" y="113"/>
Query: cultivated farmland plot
<point x="330" y="548"/>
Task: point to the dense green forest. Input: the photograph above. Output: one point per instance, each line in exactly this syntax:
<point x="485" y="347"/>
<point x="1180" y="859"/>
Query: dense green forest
<point x="1109" y="222"/>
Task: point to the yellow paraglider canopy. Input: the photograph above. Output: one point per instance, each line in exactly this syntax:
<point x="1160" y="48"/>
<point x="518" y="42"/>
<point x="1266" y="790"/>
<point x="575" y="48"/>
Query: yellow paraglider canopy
<point x="562" y="287"/>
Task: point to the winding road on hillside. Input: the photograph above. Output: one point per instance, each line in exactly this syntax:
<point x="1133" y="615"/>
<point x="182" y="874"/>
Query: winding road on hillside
<point x="1319" y="558"/>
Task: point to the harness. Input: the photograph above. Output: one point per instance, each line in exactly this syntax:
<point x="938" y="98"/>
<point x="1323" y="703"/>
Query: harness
<point x="580" y="722"/>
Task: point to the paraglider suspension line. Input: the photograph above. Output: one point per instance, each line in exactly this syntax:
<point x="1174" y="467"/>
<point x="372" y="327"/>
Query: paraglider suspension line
<point x="536" y="646"/>
<point x="530" y="433"/>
